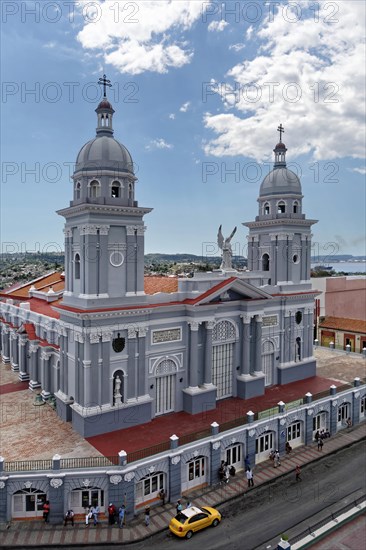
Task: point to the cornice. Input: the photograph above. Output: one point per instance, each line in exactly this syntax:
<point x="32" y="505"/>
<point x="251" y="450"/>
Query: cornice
<point x="279" y="222"/>
<point x="104" y="209"/>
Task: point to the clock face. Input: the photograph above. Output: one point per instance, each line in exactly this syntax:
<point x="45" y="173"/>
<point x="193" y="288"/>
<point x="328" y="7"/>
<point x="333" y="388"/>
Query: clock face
<point x="116" y="258"/>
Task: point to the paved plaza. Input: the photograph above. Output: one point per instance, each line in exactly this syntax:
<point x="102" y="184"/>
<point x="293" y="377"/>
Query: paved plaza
<point x="29" y="432"/>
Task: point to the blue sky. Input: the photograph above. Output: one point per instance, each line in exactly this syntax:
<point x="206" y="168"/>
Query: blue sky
<point x="199" y="89"/>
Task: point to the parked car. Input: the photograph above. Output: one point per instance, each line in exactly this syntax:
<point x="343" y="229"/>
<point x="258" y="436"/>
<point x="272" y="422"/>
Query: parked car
<point x="193" y="519"/>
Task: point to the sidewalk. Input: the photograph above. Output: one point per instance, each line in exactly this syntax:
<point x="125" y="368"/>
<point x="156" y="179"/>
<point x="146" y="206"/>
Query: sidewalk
<point x="37" y="534"/>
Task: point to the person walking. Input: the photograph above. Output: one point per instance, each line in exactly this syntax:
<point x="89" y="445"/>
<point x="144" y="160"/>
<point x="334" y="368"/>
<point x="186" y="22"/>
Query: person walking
<point x="46" y="511"/>
<point x="250" y="479"/>
<point x="320" y="444"/>
<point x="162" y="496"/>
<point x="276" y="459"/>
<point x="147" y="516"/>
<point x="111" y="513"/>
<point x="179" y="506"/>
<point x="298" y="473"/>
<point x="121" y="516"/>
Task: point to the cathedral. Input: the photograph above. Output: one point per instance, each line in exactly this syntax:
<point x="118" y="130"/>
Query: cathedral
<point x="102" y="338"/>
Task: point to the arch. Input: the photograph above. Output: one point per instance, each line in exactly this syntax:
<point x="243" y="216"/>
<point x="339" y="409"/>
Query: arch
<point x="266" y="209"/>
<point x="295" y="433"/>
<point x="94" y="189"/>
<point x="268" y="352"/>
<point x="116" y="189"/>
<point x="77" y="265"/>
<point x="295" y="207"/>
<point x="82" y="498"/>
<point x="28" y="502"/>
<point x="224" y="331"/>
<point x="264" y="444"/>
<point x="265" y="262"/>
<point x="298" y="349"/>
<point x="77" y="190"/>
<point x="149" y="486"/>
<point x="165" y="384"/>
<point x="166" y="366"/>
<point x="281" y="207"/>
<point x="130" y="190"/>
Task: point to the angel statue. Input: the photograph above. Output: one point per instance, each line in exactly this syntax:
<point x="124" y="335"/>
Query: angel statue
<point x="227" y="252"/>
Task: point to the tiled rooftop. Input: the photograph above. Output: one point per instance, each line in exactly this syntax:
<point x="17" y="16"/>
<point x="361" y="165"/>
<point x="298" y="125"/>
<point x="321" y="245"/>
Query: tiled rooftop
<point x="340" y="323"/>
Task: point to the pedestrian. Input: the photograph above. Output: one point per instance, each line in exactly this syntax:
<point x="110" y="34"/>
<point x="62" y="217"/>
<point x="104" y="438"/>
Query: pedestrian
<point x="121" y="516"/>
<point x="179" y="506"/>
<point x="147" y="515"/>
<point x="320" y="444"/>
<point x="162" y="496"/>
<point x="349" y="422"/>
<point x="250" y="479"/>
<point x="189" y="504"/>
<point x="69" y="516"/>
<point x="298" y="473"/>
<point x="288" y="448"/>
<point x="111" y="513"/>
<point x="317" y="436"/>
<point x="276" y="459"/>
<point x="226" y="473"/>
<point x="46" y="511"/>
<point x="247" y="462"/>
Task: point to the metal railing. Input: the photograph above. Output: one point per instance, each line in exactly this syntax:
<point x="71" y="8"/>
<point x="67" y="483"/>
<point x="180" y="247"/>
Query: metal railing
<point x="26" y="465"/>
<point x="89" y="462"/>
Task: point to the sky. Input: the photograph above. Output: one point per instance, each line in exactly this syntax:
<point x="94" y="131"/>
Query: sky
<point x="199" y="89"/>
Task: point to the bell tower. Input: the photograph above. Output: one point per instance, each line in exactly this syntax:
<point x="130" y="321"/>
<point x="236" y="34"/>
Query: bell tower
<point x="104" y="229"/>
<point x="279" y="241"/>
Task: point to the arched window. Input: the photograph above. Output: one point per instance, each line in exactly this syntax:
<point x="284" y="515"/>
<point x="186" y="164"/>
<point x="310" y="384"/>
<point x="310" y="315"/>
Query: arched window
<point x="265" y="262"/>
<point x="77" y="266"/>
<point x="266" y="209"/>
<point x="281" y="207"/>
<point x="295" y="207"/>
<point x="94" y="190"/>
<point x="77" y="190"/>
<point x="298" y="348"/>
<point x="130" y="191"/>
<point x="116" y="190"/>
<point x="118" y="387"/>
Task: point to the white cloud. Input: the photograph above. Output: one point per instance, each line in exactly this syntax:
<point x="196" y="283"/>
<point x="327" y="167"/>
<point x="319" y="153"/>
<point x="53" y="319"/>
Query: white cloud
<point x="141" y="38"/>
<point x="310" y="77"/>
<point x="172" y="116"/>
<point x="249" y="32"/>
<point x="237" y="47"/>
<point x="184" y="108"/>
<point x="359" y="170"/>
<point x="217" y="26"/>
<point x="158" y="143"/>
<point x="49" y="45"/>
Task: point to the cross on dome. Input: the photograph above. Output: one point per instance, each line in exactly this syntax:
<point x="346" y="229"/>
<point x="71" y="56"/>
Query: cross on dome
<point x="281" y="130"/>
<point x="105" y="82"/>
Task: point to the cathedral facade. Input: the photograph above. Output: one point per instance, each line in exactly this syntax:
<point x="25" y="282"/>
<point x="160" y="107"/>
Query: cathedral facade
<point x="115" y="350"/>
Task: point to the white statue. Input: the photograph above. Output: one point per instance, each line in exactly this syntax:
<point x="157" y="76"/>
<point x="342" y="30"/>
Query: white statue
<point x="227" y="252"/>
<point x="117" y="388"/>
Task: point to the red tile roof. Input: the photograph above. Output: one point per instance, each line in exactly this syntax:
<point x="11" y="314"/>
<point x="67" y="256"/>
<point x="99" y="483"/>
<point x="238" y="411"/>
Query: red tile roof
<point x="156" y="283"/>
<point x="340" y="323"/>
<point x="43" y="284"/>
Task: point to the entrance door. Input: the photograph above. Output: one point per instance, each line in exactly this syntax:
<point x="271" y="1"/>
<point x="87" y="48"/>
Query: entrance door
<point x="294" y="434"/>
<point x="349" y="339"/>
<point x="268" y="362"/>
<point x="197" y="472"/>
<point x="263" y="445"/>
<point x="81" y="499"/>
<point x="344" y="412"/>
<point x="319" y="423"/>
<point x="28" y="503"/>
<point x="233" y="456"/>
<point x="222" y="368"/>
<point x="165" y="387"/>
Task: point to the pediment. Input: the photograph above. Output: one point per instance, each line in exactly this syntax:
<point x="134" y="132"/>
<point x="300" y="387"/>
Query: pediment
<point x="233" y="291"/>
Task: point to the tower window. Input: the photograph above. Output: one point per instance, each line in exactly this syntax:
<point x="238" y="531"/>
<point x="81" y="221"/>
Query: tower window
<point x="94" y="190"/>
<point x="295" y="207"/>
<point x="77" y="190"/>
<point x="77" y="266"/>
<point x="116" y="190"/>
<point x="265" y="262"/>
<point x="281" y="208"/>
<point x="266" y="209"/>
<point x="130" y="191"/>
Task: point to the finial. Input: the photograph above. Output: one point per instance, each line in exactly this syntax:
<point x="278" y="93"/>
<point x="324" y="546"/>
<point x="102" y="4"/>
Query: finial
<point x="281" y="130"/>
<point x="104" y="82"/>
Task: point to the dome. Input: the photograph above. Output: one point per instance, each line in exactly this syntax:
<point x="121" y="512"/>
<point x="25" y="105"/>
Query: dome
<point x="280" y="181"/>
<point x="104" y="153"/>
<point x="104" y="104"/>
<point x="280" y="145"/>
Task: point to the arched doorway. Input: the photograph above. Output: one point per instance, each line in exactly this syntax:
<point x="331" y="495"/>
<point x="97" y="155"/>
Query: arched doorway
<point x="223" y="338"/>
<point x="268" y="352"/>
<point x="165" y="374"/>
<point x="82" y="498"/>
<point x="28" y="503"/>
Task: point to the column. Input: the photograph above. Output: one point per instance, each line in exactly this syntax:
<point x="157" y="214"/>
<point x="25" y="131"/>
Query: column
<point x="245" y="346"/>
<point x="33" y="366"/>
<point x="103" y="259"/>
<point x="87" y="381"/>
<point x="273" y="260"/>
<point x="63" y="372"/>
<point x="289" y="257"/>
<point x="131" y="259"/>
<point x="22" y="352"/>
<point x="193" y="354"/>
<point x="250" y="252"/>
<point x="285" y="339"/>
<point x="310" y="334"/>
<point x="131" y="363"/>
<point x="68" y="260"/>
<point x="14" y="351"/>
<point x="258" y="343"/>
<point x="140" y="246"/>
<point x="303" y="258"/>
<point x="45" y="374"/>
<point x="142" y="374"/>
<point x="5" y="344"/>
<point x="207" y="378"/>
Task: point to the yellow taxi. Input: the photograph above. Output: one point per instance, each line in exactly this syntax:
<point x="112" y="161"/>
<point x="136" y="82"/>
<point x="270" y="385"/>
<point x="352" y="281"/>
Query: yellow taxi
<point x="193" y="519"/>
